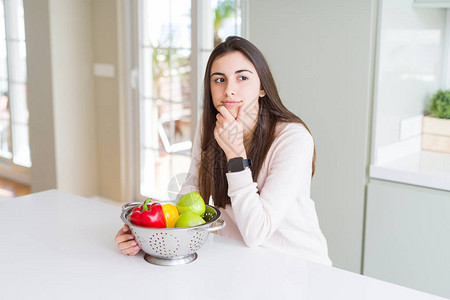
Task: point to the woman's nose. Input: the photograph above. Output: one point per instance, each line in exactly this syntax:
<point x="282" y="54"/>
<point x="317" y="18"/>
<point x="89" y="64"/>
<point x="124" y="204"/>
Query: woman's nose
<point x="229" y="90"/>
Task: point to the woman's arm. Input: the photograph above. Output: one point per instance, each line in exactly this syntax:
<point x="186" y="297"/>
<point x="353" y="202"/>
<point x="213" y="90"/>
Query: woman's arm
<point x="258" y="215"/>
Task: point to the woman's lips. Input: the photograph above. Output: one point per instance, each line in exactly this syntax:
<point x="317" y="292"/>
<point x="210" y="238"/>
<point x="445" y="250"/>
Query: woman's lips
<point x="231" y="103"/>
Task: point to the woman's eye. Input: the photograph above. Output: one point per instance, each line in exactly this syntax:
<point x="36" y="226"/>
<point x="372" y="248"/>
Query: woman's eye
<point x="243" y="77"/>
<point x="219" y="80"/>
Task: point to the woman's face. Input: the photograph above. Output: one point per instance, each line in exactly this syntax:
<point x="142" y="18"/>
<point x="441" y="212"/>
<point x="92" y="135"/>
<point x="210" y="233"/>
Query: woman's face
<point x="234" y="83"/>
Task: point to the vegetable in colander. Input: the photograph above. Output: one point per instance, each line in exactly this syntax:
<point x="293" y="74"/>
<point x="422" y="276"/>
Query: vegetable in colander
<point x="148" y="216"/>
<point x="171" y="214"/>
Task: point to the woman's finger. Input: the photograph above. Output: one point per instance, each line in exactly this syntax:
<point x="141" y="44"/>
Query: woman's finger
<point x="123" y="238"/>
<point x="238" y="116"/>
<point x="127" y="245"/>
<point x="225" y="113"/>
<point x="220" y="126"/>
<point x="216" y="131"/>
<point x="220" y="119"/>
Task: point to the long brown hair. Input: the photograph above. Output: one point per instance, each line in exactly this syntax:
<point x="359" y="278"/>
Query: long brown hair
<point x="213" y="164"/>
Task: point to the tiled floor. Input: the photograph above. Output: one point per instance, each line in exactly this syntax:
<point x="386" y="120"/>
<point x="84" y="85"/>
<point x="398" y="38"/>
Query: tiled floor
<point x="10" y="188"/>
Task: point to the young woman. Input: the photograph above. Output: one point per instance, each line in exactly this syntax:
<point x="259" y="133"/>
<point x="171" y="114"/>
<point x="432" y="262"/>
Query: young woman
<point x="254" y="157"/>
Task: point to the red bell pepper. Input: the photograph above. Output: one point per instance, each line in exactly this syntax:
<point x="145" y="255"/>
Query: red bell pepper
<point x="148" y="216"/>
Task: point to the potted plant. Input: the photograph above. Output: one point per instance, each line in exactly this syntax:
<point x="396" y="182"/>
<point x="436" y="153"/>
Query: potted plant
<point x="436" y="125"/>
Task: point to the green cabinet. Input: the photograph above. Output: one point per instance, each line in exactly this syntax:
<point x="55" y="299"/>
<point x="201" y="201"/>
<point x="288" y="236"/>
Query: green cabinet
<point x="407" y="236"/>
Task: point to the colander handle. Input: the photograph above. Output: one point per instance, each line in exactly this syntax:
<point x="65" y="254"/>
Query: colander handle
<point x="219" y="224"/>
<point x="135" y="204"/>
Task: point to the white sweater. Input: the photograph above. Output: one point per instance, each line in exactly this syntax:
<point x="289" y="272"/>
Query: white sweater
<point x="276" y="212"/>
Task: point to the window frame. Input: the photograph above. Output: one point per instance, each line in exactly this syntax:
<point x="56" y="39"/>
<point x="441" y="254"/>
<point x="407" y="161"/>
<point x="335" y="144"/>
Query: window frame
<point x="8" y="168"/>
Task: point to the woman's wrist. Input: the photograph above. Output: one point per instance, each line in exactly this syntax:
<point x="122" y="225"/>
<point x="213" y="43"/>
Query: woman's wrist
<point x="236" y="154"/>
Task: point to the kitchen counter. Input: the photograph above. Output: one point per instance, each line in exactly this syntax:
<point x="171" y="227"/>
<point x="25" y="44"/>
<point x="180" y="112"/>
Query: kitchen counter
<point x="421" y="168"/>
<point x="56" y="245"/>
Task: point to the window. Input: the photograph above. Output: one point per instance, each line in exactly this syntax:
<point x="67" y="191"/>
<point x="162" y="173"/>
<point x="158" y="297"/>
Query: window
<point x="175" y="38"/>
<point x="14" y="142"/>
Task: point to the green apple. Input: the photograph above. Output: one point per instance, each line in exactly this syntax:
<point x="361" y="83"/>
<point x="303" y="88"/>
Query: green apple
<point x="191" y="202"/>
<point x="189" y="219"/>
<point x="210" y="213"/>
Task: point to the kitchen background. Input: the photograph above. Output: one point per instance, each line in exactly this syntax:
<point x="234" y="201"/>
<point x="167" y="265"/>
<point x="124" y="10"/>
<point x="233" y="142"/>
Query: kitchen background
<point x="359" y="72"/>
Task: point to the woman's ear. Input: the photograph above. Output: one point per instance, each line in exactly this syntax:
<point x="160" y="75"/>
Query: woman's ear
<point x="262" y="93"/>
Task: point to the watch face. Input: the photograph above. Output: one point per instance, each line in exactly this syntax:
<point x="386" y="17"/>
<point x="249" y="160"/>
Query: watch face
<point x="236" y="164"/>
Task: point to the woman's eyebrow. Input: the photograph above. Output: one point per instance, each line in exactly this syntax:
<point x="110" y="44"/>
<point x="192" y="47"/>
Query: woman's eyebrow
<point x="217" y="73"/>
<point x="237" y="72"/>
<point x="244" y="70"/>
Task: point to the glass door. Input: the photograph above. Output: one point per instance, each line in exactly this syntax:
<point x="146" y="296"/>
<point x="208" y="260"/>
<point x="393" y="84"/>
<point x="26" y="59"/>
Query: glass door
<point x="171" y="64"/>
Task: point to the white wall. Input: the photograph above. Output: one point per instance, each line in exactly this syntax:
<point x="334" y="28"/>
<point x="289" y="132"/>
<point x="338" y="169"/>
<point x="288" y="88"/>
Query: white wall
<point x="321" y="54"/>
<point x="40" y="95"/>
<point x="107" y="119"/>
<point x="75" y="121"/>
<point x="62" y="110"/>
<point x="74" y="109"/>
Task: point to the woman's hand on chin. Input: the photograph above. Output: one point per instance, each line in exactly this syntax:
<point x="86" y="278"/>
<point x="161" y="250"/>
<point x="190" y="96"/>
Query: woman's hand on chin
<point x="229" y="133"/>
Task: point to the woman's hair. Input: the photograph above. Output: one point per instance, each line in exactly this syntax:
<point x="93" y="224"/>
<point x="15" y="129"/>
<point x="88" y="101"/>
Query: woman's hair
<point x="213" y="164"/>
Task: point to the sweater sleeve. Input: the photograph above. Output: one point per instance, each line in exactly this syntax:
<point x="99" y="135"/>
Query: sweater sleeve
<point x="191" y="182"/>
<point x="258" y="214"/>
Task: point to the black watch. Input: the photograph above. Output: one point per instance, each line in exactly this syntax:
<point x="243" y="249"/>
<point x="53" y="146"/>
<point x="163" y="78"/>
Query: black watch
<point x="238" y="164"/>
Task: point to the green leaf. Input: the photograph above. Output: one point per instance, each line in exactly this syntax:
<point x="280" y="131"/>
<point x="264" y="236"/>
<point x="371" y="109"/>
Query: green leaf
<point x="440" y="104"/>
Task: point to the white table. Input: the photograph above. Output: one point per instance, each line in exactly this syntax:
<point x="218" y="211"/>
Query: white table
<point x="55" y="245"/>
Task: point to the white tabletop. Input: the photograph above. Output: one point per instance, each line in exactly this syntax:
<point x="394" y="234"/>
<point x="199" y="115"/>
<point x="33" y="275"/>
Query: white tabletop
<point x="55" y="245"/>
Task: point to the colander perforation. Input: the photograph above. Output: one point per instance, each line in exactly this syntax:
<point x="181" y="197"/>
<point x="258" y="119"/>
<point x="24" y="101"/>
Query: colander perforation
<point x="162" y="244"/>
<point x="197" y="240"/>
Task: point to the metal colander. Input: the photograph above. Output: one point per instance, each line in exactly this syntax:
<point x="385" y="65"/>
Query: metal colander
<point x="170" y="246"/>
